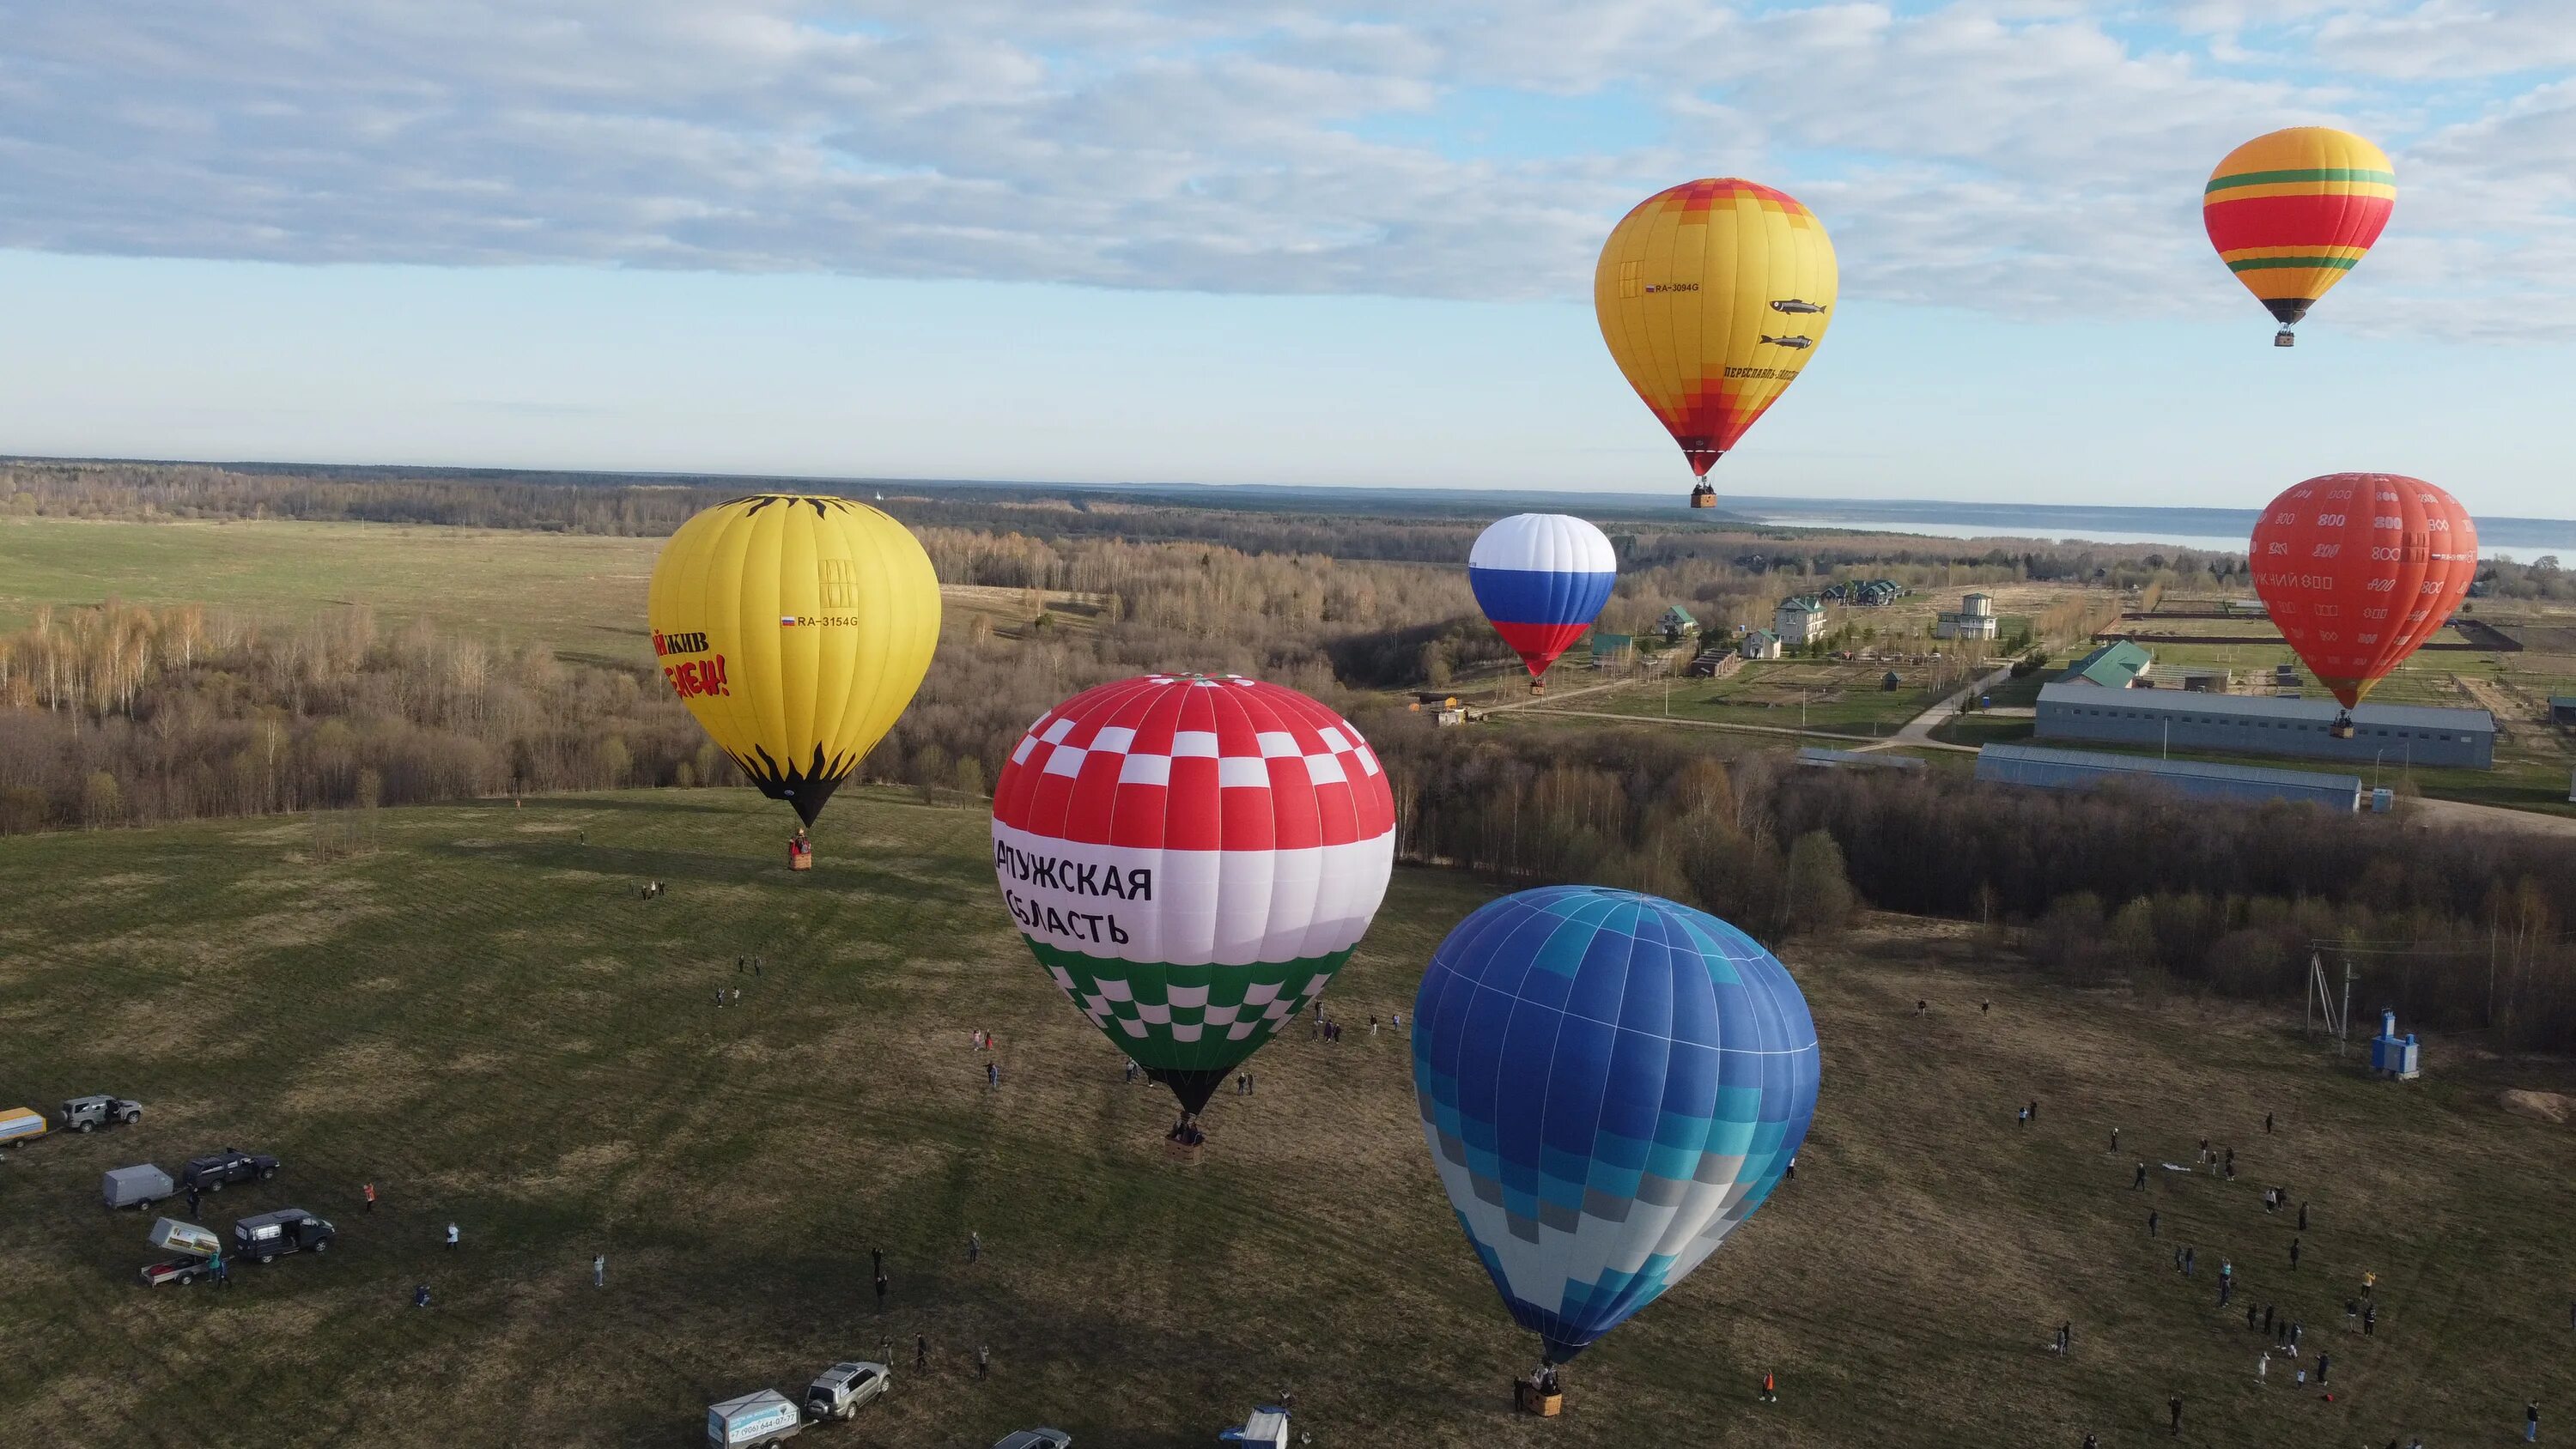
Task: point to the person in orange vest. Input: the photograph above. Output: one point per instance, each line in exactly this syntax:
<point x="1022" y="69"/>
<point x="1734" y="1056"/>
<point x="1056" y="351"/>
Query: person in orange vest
<point x="1770" y="1387"/>
<point x="369" y="1193"/>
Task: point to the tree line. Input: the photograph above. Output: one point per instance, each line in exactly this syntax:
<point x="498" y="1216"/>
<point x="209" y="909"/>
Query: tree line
<point x="2140" y="888"/>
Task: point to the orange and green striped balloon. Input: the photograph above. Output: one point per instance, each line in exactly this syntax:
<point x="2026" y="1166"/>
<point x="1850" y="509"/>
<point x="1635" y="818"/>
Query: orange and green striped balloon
<point x="2292" y="211"/>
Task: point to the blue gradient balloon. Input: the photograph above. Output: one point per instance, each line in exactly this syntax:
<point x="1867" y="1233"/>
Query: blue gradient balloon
<point x="1610" y="1083"/>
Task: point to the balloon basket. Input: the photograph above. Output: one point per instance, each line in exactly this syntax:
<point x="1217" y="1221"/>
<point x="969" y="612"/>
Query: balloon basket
<point x="1180" y="1151"/>
<point x="1538" y="686"/>
<point x="2284" y="338"/>
<point x="800" y="860"/>
<point x="1528" y="1400"/>
<point x="1703" y="500"/>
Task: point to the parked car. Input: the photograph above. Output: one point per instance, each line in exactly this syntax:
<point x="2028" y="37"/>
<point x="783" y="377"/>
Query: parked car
<point x="88" y="1114"/>
<point x="1036" y="1439"/>
<point x="753" y="1421"/>
<point x="213" y="1170"/>
<point x="139" y="1186"/>
<point x="287" y="1230"/>
<point x="838" y="1392"/>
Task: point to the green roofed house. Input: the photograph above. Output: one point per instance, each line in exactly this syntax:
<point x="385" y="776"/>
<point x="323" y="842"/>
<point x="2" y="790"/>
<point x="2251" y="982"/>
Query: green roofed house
<point x="1677" y="622"/>
<point x="2562" y="709"/>
<point x="1609" y="649"/>
<point x="1760" y="644"/>
<point x="2119" y="664"/>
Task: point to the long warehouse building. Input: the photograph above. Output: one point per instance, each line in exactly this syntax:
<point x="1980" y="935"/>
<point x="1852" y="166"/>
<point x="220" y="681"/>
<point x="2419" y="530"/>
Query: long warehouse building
<point x="2084" y="769"/>
<point x="2250" y="724"/>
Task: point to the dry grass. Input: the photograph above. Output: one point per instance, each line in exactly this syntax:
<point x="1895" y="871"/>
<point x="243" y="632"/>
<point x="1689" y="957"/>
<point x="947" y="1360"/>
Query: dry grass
<point x="504" y="1036"/>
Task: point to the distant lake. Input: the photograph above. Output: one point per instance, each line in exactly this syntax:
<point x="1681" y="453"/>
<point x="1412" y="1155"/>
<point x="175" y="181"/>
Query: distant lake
<point x="2221" y="529"/>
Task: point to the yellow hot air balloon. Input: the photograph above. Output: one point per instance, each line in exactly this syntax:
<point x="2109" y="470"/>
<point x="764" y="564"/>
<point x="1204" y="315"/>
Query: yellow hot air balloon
<point x="1713" y="295"/>
<point x="796" y="629"/>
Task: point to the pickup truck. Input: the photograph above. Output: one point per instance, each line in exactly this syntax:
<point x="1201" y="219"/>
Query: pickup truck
<point x="213" y="1170"/>
<point x="88" y="1114"/>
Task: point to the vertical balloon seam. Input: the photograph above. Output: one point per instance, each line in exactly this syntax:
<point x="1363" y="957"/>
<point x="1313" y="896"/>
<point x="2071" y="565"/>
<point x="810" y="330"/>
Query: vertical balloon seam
<point x="1627" y="918"/>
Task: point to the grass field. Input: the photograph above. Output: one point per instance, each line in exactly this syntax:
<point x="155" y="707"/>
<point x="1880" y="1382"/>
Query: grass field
<point x="1843" y="696"/>
<point x="480" y="1016"/>
<point x="581" y="595"/>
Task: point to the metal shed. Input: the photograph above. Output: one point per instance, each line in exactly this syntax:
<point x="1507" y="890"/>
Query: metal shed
<point x="2050" y="769"/>
<point x="2391" y="735"/>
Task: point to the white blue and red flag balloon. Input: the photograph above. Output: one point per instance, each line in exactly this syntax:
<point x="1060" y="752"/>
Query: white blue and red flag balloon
<point x="1541" y="577"/>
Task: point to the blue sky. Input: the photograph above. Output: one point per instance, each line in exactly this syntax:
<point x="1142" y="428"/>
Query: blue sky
<point x="1263" y="242"/>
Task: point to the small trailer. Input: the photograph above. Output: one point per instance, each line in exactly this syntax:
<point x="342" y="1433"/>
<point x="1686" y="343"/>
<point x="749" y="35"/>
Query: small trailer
<point x="21" y="1124"/>
<point x="138" y="1187"/>
<point x="173" y="1236"/>
<point x="182" y="1271"/>
<point x="756" y="1420"/>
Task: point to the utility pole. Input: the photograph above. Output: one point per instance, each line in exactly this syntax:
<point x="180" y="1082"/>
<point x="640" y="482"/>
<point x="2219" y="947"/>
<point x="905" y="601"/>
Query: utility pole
<point x="2343" y="1028"/>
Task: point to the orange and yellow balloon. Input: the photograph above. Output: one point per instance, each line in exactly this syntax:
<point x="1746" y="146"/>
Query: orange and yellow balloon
<point x="796" y="628"/>
<point x="2291" y="212"/>
<point x="1712" y="295"/>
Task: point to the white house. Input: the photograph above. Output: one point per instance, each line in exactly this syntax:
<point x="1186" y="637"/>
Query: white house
<point x="1761" y="644"/>
<point x="1799" y="621"/>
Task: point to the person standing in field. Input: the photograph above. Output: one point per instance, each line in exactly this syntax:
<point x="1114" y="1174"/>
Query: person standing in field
<point x="983" y="1361"/>
<point x="2175" y="1404"/>
<point x="2531" y="1421"/>
<point x="974" y="1248"/>
<point x="920" y="1351"/>
<point x="2151" y="1222"/>
<point x="2140" y="1182"/>
<point x="881" y="1292"/>
<point x="2294" y="1255"/>
<point x="993" y="1076"/>
<point x="368" y="1192"/>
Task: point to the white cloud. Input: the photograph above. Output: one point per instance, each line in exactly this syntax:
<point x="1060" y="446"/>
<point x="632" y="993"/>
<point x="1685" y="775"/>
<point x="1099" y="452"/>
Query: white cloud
<point x="2027" y="157"/>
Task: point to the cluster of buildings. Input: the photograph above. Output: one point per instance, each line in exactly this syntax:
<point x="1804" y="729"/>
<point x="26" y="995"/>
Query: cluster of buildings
<point x="2109" y="696"/>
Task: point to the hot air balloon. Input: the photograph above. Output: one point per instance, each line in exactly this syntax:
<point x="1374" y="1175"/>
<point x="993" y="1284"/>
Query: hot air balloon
<point x="2292" y="211"/>
<point x="1191" y="858"/>
<point x="2357" y="570"/>
<point x="1540" y="578"/>
<point x="1712" y="295"/>
<point x="795" y="628"/>
<point x="1610" y="1084"/>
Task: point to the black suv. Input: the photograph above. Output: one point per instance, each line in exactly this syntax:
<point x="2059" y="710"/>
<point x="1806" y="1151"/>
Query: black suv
<point x="213" y="1170"/>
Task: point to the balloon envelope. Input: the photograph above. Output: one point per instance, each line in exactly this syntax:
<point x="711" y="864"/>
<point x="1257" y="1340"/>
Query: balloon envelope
<point x="1609" y="1083"/>
<point x="1712" y="295"/>
<point x="1541" y="578"/>
<point x="795" y="628"/>
<point x="1191" y="858"/>
<point x="2292" y="211"/>
<point x="2359" y="569"/>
